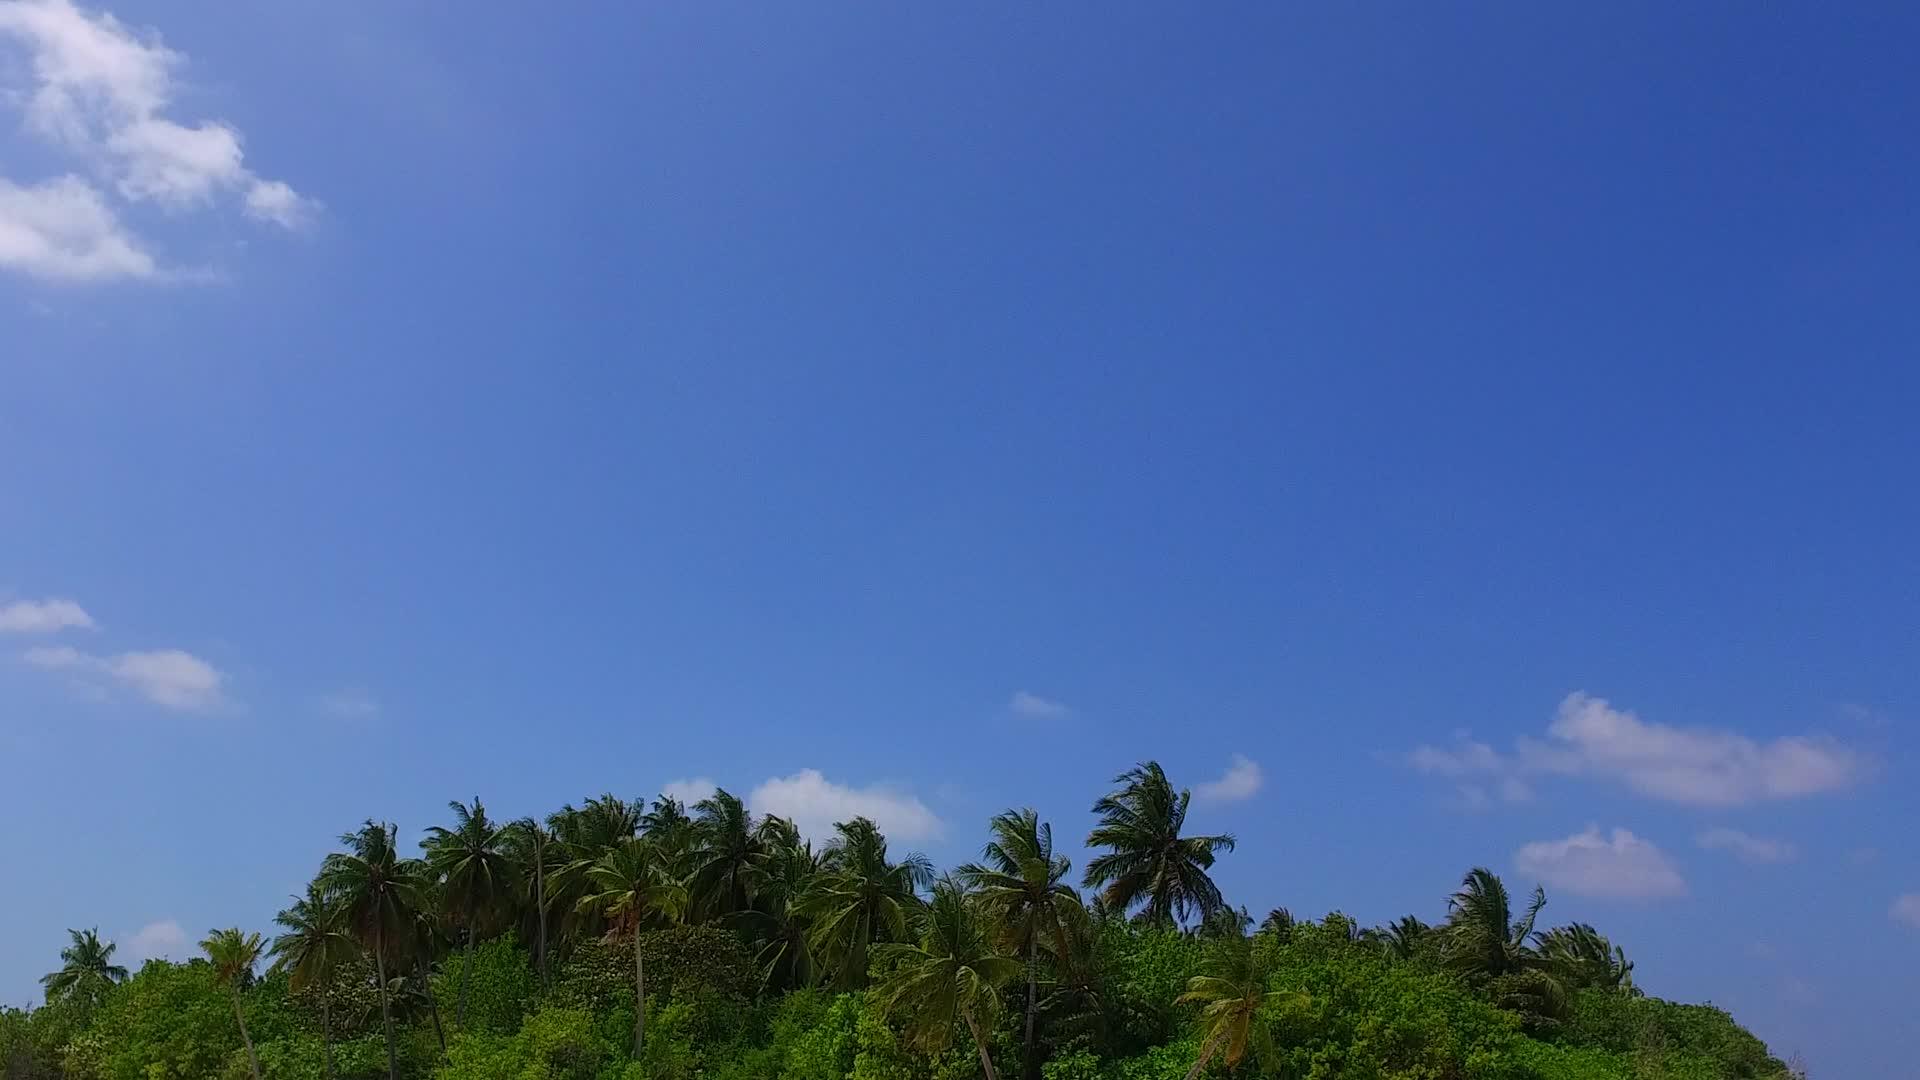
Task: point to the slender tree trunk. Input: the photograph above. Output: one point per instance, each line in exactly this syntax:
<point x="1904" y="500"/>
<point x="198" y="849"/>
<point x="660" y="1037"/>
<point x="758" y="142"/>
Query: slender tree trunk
<point x="639" y="995"/>
<point x="980" y="1041"/>
<point x="253" y="1060"/>
<point x="1206" y="1053"/>
<point x="540" y="905"/>
<point x="433" y="1004"/>
<point x="466" y="976"/>
<point x="1033" y="1001"/>
<point x="326" y="1038"/>
<point x="386" y="1011"/>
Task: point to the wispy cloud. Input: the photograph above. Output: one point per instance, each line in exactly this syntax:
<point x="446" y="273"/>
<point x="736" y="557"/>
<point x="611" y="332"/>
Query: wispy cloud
<point x="1619" y="866"/>
<point x="1241" y="781"/>
<point x="1906" y="909"/>
<point x="1747" y="847"/>
<point x="99" y="92"/>
<point x="1698" y="766"/>
<point x="1036" y="707"/>
<point x="163" y="939"/>
<point x="171" y="678"/>
<point x="349" y="703"/>
<point x="815" y="804"/>
<point x="691" y="790"/>
<point x="43" y="617"/>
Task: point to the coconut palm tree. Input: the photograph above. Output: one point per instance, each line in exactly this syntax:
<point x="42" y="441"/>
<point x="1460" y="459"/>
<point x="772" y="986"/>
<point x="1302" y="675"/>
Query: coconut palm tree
<point x="950" y="975"/>
<point x="476" y="877"/>
<point x="1231" y="993"/>
<point x="584" y="834"/>
<point x="531" y="845"/>
<point x="1279" y="923"/>
<point x="87" y="970"/>
<point x="1022" y="884"/>
<point x="380" y="898"/>
<point x="1494" y="951"/>
<point x="786" y="877"/>
<point x="1581" y="957"/>
<point x="632" y="884"/>
<point x="1401" y="937"/>
<point x="861" y="898"/>
<point x="1148" y="861"/>
<point x="311" y="949"/>
<point x="726" y="855"/>
<point x="234" y="956"/>
<point x="669" y="827"/>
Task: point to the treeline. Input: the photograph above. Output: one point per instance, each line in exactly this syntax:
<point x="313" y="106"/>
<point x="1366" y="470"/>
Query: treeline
<point x="621" y="941"/>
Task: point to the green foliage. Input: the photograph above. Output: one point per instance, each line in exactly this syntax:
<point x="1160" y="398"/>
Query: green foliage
<point x="963" y="970"/>
<point x="501" y="991"/>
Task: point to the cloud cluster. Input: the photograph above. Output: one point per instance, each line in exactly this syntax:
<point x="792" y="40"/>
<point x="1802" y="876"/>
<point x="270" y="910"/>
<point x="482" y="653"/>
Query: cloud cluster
<point x="163" y="939"/>
<point x="43" y="617"/>
<point x="1035" y="707"/>
<point x="1698" y="766"/>
<point x="1747" y="847"/>
<point x="171" y="678"/>
<point x="815" y="804"/>
<point x="1906" y="909"/>
<point x="690" y="791"/>
<point x="1617" y="866"/>
<point x="98" y="93"/>
<point x="1241" y="781"/>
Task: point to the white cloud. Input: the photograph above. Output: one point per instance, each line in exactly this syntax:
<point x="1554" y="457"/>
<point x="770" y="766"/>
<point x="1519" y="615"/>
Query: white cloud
<point x="1747" y="847"/>
<point x="165" y="938"/>
<point x="350" y="703"/>
<point x="169" y="677"/>
<point x="94" y="88"/>
<point x="1037" y="707"/>
<point x="1620" y="866"/>
<point x="691" y="790"/>
<point x="1241" y="780"/>
<point x="62" y="230"/>
<point x="1906" y="909"/>
<point x="815" y="804"/>
<point x="1699" y="766"/>
<point x="43" y="617"/>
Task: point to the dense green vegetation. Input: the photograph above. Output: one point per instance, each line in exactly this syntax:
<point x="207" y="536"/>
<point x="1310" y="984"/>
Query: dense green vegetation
<point x="617" y="942"/>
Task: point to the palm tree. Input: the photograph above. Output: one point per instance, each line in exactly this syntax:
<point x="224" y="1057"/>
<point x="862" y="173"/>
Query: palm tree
<point x="1495" y="952"/>
<point x="310" y="951"/>
<point x="861" y="899"/>
<point x="726" y="855"/>
<point x="1148" y="860"/>
<point x="1401" y="937"/>
<point x="379" y="896"/>
<point x="1279" y="923"/>
<point x="87" y="970"/>
<point x="631" y="883"/>
<point x="531" y="845"/>
<point x="787" y="876"/>
<point x="584" y="834"/>
<point x="1581" y="957"/>
<point x="668" y="826"/>
<point x="234" y="956"/>
<point x="1231" y="994"/>
<point x="470" y="860"/>
<point x="1022" y="883"/>
<point x="950" y="975"/>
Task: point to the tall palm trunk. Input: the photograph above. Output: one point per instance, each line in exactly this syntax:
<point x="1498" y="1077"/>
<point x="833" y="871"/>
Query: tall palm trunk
<point x="326" y="1038"/>
<point x="980" y="1041"/>
<point x="253" y="1060"/>
<point x="540" y="906"/>
<point x="1033" y="1000"/>
<point x="433" y="1003"/>
<point x="386" y="1009"/>
<point x="466" y="976"/>
<point x="1207" y="1052"/>
<point x="639" y="994"/>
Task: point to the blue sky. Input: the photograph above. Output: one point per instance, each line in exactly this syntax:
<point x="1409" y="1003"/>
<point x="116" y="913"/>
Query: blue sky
<point x="1479" y="436"/>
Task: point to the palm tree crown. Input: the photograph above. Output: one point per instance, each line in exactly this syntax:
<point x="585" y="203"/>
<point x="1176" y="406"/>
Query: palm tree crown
<point x="86" y="970"/>
<point x="949" y="976"/>
<point x="861" y="899"/>
<point x="1148" y="861"/>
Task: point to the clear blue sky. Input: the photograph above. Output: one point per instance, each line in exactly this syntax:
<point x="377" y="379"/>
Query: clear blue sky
<point x="551" y="405"/>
